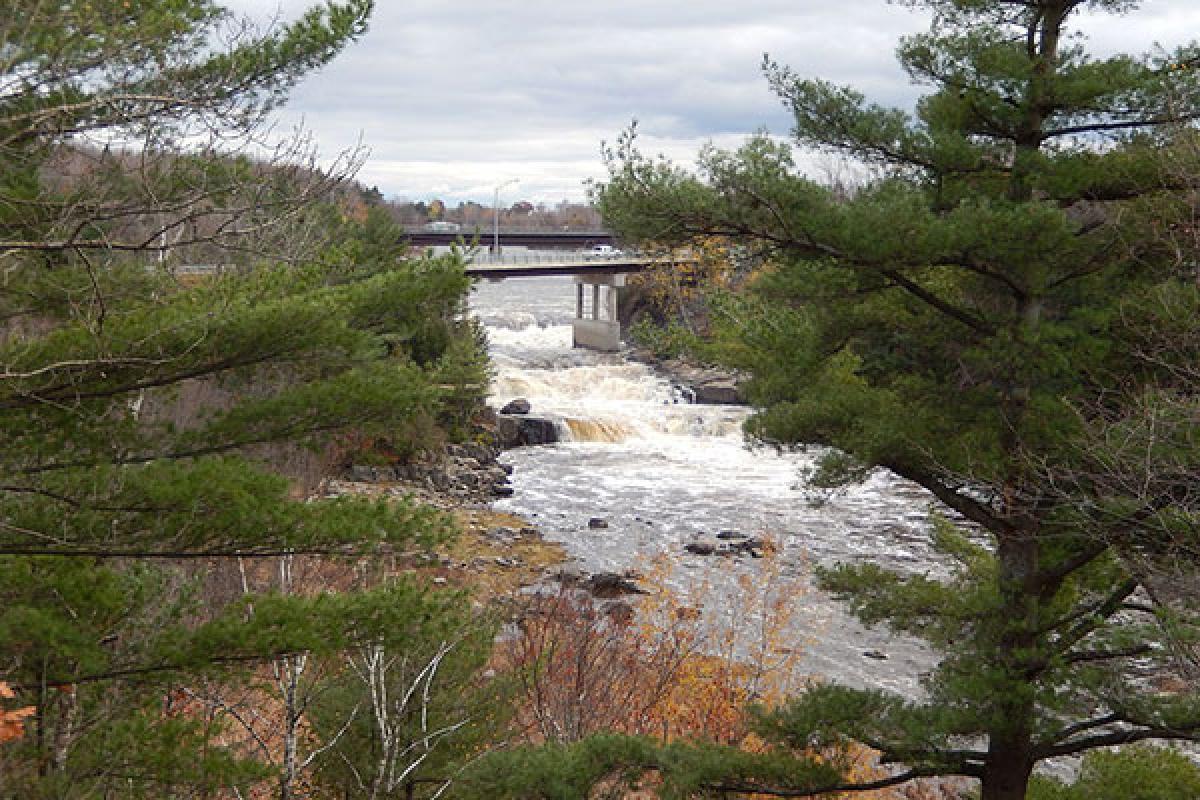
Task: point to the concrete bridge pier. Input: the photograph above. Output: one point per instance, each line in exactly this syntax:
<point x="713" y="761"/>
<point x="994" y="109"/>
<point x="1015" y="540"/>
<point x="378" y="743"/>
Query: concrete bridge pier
<point x="596" y="325"/>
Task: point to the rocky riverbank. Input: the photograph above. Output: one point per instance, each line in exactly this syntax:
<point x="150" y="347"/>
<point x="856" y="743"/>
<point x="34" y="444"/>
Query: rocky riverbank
<point x="497" y="554"/>
<point x="705" y="385"/>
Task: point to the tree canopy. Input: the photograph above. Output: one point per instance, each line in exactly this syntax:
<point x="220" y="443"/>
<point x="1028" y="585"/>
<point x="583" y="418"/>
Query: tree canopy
<point x="984" y="318"/>
<point x="188" y="322"/>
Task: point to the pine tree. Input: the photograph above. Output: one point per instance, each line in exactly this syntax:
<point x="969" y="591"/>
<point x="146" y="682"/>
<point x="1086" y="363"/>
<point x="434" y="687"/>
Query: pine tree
<point x="966" y="321"/>
<point x="152" y="419"/>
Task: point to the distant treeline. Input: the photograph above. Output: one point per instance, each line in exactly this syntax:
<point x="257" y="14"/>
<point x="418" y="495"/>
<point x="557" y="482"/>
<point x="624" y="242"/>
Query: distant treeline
<point x="521" y="215"/>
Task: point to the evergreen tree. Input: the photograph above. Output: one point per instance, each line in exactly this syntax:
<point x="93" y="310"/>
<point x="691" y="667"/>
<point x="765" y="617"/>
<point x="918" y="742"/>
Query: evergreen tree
<point x="151" y="419"/>
<point x="965" y="322"/>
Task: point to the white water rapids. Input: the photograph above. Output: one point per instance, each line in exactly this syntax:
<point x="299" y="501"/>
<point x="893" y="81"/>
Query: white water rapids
<point x="661" y="471"/>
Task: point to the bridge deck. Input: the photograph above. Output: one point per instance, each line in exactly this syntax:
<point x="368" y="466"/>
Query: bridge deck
<point x="567" y="266"/>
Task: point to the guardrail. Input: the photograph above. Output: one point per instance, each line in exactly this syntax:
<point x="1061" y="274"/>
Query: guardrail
<point x="484" y="257"/>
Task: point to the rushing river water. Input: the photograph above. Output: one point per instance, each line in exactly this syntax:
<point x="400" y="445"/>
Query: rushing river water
<point x="660" y="471"/>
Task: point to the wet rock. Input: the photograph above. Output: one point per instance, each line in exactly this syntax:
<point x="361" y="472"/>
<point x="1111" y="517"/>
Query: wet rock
<point x="878" y="655"/>
<point x="499" y="490"/>
<point x="518" y="406"/>
<point x="362" y="474"/>
<point x="537" y="430"/>
<point x="719" y="391"/>
<point x="521" y="431"/>
<point x="597" y="523"/>
<point x="700" y="548"/>
<point x="508" y="432"/>
<point x="610" y="584"/>
<point x="507" y="468"/>
<point x="727" y="535"/>
<point x="480" y="452"/>
<point x="748" y="546"/>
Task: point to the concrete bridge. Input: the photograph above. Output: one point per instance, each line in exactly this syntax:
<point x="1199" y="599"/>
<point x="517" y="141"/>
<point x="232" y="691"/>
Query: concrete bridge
<point x="598" y="281"/>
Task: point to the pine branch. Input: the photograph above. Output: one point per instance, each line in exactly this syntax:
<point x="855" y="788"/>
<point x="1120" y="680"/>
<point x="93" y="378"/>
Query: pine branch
<point x="966" y="770"/>
<point x="1187" y="733"/>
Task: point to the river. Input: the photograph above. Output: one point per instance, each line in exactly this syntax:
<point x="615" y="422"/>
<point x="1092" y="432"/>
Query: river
<point x="659" y="471"/>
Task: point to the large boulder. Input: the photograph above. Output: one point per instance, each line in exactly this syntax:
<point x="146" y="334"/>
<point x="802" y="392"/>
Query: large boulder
<point x="718" y="391"/>
<point x="521" y="431"/>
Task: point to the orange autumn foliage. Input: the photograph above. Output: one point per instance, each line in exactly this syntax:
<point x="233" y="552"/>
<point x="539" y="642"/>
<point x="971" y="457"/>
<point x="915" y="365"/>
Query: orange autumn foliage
<point x="685" y="666"/>
<point x="679" y="282"/>
<point x="12" y="721"/>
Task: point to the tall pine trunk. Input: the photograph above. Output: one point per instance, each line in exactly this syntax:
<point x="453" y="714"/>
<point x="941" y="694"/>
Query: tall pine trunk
<point x="1009" y="761"/>
<point x="1006" y="775"/>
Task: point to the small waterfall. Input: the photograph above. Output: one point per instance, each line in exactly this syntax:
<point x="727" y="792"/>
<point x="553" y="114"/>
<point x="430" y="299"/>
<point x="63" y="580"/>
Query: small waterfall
<point x="597" y="430"/>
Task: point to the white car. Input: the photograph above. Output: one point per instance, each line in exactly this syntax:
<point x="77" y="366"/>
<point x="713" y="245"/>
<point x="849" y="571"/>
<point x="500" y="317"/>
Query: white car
<point x="603" y="251"/>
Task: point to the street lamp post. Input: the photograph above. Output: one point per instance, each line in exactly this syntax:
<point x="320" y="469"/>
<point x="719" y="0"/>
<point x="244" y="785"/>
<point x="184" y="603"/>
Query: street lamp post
<point x="496" y="216"/>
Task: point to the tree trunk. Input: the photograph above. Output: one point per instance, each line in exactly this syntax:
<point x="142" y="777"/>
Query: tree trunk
<point x="1009" y="761"/>
<point x="1006" y="774"/>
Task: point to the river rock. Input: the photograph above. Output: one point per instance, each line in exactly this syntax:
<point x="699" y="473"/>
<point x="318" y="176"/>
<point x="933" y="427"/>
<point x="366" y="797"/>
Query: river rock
<point x="727" y="535"/>
<point x="520" y="431"/>
<point x="596" y="523"/>
<point x="362" y="474"/>
<point x="500" y="490"/>
<point x="518" y="406"/>
<point x="610" y="584"/>
<point x="700" y="548"/>
<point x="718" y="391"/>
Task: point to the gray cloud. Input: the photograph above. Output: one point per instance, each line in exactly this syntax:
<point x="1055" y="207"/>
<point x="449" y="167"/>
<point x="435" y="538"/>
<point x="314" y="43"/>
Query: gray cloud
<point x="454" y="98"/>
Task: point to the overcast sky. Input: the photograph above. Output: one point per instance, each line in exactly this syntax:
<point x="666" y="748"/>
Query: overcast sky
<point x="454" y="98"/>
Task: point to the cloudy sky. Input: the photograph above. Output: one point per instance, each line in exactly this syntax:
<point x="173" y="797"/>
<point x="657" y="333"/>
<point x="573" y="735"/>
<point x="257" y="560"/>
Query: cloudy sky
<point x="454" y="98"/>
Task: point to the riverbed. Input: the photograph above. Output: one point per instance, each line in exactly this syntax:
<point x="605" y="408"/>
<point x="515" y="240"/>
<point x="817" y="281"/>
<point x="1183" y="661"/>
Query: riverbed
<point x="659" y="471"/>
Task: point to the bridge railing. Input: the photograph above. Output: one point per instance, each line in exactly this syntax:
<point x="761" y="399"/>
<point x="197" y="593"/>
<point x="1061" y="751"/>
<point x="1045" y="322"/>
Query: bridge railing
<point x="484" y="257"/>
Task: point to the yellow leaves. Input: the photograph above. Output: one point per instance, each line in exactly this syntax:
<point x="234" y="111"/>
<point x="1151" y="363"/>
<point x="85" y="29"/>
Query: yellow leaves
<point x="12" y="721"/>
<point x="685" y="275"/>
